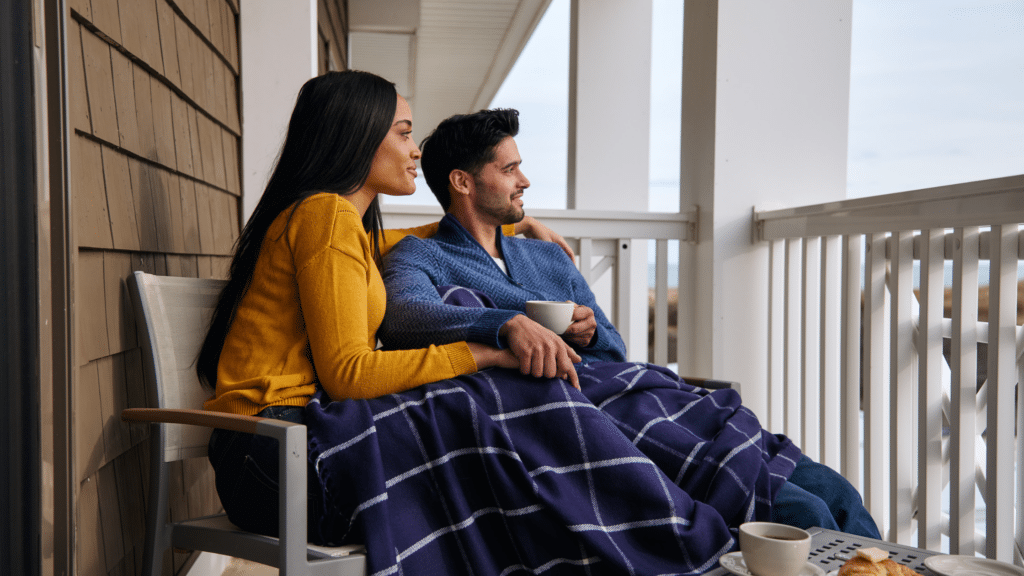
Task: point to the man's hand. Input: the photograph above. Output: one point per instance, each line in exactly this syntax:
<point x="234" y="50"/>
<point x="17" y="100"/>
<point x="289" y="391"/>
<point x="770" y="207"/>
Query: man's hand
<point x="541" y="352"/>
<point x="583" y="327"/>
<point x="531" y="228"/>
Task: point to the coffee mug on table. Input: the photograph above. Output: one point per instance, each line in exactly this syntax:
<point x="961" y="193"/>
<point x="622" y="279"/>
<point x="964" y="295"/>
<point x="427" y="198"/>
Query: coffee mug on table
<point x="771" y="549"/>
<point x="555" y="316"/>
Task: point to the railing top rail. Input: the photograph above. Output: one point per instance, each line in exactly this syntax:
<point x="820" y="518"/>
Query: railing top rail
<point x="596" y="224"/>
<point x="981" y="203"/>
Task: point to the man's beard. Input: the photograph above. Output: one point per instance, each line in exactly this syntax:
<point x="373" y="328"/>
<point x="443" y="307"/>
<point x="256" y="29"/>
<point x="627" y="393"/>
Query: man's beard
<point x="508" y="214"/>
<point x="513" y="215"/>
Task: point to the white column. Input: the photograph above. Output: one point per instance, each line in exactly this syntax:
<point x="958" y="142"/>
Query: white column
<point x="279" y="53"/>
<point x="765" y="114"/>
<point x="609" y="130"/>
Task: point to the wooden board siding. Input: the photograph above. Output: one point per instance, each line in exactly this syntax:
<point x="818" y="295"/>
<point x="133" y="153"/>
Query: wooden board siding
<point x="155" y="185"/>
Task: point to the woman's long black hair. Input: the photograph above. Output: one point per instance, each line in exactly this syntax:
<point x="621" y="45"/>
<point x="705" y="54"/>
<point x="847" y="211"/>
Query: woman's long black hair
<point x="339" y="121"/>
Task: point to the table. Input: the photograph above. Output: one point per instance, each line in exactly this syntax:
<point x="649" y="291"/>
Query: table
<point x="825" y="544"/>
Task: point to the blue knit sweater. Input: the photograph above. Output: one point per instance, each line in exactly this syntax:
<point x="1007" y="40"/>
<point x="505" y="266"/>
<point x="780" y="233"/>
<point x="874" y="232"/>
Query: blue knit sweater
<point x="416" y="317"/>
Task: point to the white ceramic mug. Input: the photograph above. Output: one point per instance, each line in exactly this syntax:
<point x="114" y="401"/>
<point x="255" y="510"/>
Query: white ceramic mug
<point x="555" y="316"/>
<point x="771" y="549"/>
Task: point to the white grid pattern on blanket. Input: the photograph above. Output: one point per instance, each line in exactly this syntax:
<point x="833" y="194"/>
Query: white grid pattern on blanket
<point x="574" y="408"/>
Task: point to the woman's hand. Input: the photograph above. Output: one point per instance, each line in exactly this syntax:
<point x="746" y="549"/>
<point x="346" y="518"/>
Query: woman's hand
<point x="488" y="356"/>
<point x="531" y="228"/>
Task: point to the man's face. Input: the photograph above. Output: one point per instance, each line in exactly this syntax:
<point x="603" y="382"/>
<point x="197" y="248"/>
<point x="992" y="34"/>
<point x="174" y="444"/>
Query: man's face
<point x="498" y="186"/>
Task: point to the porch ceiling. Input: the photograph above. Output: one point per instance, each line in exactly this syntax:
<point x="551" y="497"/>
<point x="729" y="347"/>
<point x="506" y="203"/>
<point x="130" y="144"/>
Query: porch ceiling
<point x="445" y="56"/>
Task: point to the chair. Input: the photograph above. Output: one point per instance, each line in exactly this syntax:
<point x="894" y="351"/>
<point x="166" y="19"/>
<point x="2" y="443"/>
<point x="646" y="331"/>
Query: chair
<point x="172" y="315"/>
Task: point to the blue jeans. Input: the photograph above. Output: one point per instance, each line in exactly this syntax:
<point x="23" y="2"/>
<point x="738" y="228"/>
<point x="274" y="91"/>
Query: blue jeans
<point x="817" y="495"/>
<point x="246" y="467"/>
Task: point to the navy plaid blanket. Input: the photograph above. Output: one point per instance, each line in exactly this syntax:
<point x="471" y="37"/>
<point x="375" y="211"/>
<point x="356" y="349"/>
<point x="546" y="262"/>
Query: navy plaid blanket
<point x="497" y="473"/>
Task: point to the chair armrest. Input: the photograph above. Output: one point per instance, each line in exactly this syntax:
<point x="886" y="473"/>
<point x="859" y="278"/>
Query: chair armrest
<point x="224" y="420"/>
<point x="711" y="384"/>
<point x="291" y="453"/>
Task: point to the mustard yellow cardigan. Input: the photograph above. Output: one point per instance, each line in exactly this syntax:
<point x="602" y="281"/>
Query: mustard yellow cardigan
<point x="311" y="315"/>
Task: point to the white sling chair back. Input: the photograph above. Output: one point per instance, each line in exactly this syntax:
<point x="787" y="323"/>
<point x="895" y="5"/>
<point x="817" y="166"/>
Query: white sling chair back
<point x="173" y="315"/>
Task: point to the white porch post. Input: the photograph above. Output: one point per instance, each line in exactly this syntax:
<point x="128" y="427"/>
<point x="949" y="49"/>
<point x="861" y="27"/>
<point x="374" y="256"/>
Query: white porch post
<point x="609" y="134"/>
<point x="279" y="53"/>
<point x="764" y="124"/>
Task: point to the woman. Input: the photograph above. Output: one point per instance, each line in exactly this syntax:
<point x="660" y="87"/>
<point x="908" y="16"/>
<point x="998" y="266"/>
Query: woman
<point x="304" y="298"/>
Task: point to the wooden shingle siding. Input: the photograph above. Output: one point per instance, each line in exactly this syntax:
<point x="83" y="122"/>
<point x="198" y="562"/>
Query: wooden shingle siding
<point x="229" y="145"/>
<point x="99" y="86"/>
<point x="183" y="38"/>
<point x="130" y="488"/>
<point x="189" y="214"/>
<point x="155" y="186"/>
<point x="89" y="553"/>
<point x="107" y="19"/>
<point x="124" y="225"/>
<point x="82" y="7"/>
<point x="89" y="439"/>
<point x="79" y="109"/>
<point x="91" y="303"/>
<point x="168" y="42"/>
<point x="162" y="127"/>
<point x="110" y="517"/>
<point x="137" y="398"/>
<point x="121" y="332"/>
<point x="182" y="138"/>
<point x="89" y="195"/>
<point x="144" y="114"/>
<point x="113" y="399"/>
<point x="124" y="101"/>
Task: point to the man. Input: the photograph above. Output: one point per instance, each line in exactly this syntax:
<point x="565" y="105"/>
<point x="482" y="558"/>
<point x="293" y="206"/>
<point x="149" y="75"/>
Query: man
<point x="472" y="166"/>
<point x="486" y="195"/>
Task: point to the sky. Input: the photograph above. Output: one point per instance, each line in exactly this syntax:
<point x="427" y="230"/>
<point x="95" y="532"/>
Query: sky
<point x="936" y="97"/>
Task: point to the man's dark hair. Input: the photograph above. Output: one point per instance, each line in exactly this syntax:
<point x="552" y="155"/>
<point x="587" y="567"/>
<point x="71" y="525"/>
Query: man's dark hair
<point x="464" y="142"/>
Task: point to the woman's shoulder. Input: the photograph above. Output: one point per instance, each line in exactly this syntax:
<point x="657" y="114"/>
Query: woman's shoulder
<point x="327" y="205"/>
<point x="324" y="211"/>
<point x="323" y="220"/>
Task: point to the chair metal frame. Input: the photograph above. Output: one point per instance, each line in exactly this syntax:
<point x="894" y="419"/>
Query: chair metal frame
<point x="172" y="315"/>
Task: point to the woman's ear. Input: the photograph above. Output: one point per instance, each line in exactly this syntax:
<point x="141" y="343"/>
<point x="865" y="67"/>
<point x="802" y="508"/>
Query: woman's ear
<point x="460" y="182"/>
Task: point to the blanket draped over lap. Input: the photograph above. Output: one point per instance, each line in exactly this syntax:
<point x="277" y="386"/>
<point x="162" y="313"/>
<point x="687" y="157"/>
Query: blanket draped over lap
<point x="499" y="473"/>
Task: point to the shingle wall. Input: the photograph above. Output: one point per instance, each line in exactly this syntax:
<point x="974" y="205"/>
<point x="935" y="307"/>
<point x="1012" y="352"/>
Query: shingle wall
<point x="155" y="185"/>
<point x="154" y="113"/>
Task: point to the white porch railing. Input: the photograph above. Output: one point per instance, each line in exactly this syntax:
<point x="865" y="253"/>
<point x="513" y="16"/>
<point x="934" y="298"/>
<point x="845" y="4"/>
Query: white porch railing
<point x="848" y="335"/>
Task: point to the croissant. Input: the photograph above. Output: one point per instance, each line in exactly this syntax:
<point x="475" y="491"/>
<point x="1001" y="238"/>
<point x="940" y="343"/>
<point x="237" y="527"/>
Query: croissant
<point x="874" y="562"/>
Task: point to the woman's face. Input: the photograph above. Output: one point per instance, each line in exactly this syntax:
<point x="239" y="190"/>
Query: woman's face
<point x="394" y="165"/>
